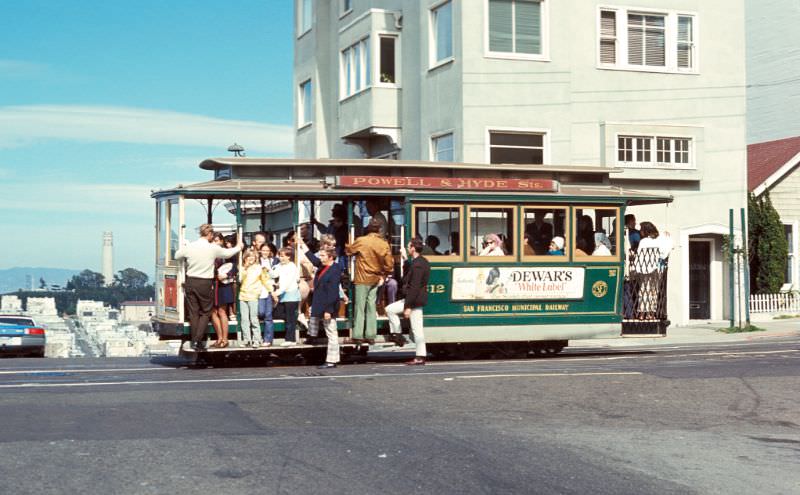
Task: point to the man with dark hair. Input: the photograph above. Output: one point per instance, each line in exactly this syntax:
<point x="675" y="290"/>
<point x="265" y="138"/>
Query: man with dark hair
<point x="415" y="289"/>
<point x="634" y="236"/>
<point x="199" y="288"/>
<point x="374" y="262"/>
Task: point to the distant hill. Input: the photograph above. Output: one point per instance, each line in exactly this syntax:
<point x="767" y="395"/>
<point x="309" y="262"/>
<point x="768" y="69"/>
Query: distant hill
<point x="12" y="279"/>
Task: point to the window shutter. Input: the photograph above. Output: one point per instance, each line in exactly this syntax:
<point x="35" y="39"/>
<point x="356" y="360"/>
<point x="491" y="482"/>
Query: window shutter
<point x="608" y="37"/>
<point x="655" y="52"/>
<point x="528" y="24"/>
<point x="500" y="25"/>
<point x="635" y="39"/>
<point x="685" y="42"/>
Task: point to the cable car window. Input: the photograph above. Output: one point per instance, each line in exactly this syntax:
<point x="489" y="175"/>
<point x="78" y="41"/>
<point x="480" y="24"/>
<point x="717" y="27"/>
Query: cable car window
<point x="161" y="241"/>
<point x="596" y="232"/>
<point x="544" y="226"/>
<point x="173" y="222"/>
<point x="491" y="231"/>
<point x="439" y="227"/>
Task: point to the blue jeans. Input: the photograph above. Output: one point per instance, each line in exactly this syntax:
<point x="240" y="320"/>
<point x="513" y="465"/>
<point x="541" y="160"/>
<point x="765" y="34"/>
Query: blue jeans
<point x="265" y="313"/>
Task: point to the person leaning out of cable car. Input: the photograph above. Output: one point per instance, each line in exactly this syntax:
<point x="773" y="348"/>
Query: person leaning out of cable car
<point x="414" y="287"/>
<point x="325" y="302"/>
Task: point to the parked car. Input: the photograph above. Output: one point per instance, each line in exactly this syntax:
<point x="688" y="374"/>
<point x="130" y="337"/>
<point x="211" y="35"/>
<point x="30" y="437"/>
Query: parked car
<point x="19" y="335"/>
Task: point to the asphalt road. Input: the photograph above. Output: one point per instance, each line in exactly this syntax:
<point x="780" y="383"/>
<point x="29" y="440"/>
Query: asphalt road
<point x="688" y="419"/>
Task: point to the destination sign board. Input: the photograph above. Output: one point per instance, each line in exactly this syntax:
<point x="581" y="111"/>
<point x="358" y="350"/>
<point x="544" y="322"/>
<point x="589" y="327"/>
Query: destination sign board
<point x="446" y="183"/>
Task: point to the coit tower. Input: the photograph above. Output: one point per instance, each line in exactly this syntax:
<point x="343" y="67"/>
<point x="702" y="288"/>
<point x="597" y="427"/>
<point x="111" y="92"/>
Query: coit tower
<point x="108" y="257"/>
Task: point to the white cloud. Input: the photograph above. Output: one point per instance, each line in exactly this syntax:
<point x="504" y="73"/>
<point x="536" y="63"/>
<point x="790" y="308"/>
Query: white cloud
<point x="74" y="198"/>
<point x="22" y="125"/>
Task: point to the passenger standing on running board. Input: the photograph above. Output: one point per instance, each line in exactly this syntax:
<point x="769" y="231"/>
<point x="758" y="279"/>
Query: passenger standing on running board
<point x="374" y="262"/>
<point x="325" y="300"/>
<point x="415" y="290"/>
<point x="199" y="288"/>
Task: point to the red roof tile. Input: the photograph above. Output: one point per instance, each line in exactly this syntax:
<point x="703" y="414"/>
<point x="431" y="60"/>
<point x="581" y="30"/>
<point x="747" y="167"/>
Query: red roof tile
<point x="764" y="159"/>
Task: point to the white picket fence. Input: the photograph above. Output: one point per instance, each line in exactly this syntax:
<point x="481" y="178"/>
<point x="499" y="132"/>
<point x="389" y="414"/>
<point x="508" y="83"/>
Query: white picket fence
<point x="775" y="303"/>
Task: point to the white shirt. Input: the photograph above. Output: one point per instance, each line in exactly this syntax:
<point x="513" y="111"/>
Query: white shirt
<point x="200" y="256"/>
<point x="662" y="243"/>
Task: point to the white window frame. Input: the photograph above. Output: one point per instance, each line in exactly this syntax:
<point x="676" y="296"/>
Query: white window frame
<point x="794" y="253"/>
<point x="376" y="65"/>
<point x="343" y="10"/>
<point x="304" y="24"/>
<point x="365" y="76"/>
<point x="433" y="63"/>
<point x="435" y="137"/>
<point x="545" y="37"/>
<point x="303" y="105"/>
<point x="518" y="130"/>
<point x="654" y="163"/>
<point x="670" y="40"/>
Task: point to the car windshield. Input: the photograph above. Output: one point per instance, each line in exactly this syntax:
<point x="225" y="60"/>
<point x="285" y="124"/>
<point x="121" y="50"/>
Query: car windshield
<point x="16" y="320"/>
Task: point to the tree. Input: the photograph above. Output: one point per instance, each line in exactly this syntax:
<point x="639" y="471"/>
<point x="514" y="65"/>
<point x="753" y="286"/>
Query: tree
<point x="87" y="279"/>
<point x="130" y="278"/>
<point x="767" y="245"/>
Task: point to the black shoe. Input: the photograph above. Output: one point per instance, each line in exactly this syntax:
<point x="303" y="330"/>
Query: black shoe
<point x="370" y="341"/>
<point x="326" y="366"/>
<point x="397" y="338"/>
<point x="199" y="346"/>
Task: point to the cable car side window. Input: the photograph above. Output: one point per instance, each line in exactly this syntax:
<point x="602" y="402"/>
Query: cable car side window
<point x="544" y="232"/>
<point x="439" y="226"/>
<point x="491" y="232"/>
<point x="596" y="233"/>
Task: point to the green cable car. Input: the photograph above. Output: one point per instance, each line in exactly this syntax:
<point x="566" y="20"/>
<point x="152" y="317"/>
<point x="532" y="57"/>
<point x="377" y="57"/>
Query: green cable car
<point x="524" y="258"/>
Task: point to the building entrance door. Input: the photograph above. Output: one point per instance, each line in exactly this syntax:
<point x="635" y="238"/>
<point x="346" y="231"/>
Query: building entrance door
<point x="699" y="280"/>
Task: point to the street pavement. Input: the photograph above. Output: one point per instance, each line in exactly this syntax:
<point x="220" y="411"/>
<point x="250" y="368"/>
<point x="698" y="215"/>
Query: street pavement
<point x="688" y="417"/>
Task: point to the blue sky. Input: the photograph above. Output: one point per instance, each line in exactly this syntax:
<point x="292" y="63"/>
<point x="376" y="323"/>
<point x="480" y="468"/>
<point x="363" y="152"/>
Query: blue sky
<point x="103" y="101"/>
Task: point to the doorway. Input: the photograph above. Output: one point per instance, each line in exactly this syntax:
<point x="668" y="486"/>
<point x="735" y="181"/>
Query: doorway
<point x="699" y="280"/>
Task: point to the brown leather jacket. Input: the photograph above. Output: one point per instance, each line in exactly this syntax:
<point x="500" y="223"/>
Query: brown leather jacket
<point x="374" y="259"/>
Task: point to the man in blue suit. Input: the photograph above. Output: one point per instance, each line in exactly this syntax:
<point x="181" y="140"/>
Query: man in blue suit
<point x="325" y="303"/>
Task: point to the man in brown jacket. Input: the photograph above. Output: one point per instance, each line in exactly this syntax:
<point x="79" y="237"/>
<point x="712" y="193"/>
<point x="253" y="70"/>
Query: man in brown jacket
<point x="374" y="262"/>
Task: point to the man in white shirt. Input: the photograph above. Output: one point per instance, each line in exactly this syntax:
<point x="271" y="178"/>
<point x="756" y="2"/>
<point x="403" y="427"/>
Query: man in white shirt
<point x="199" y="259"/>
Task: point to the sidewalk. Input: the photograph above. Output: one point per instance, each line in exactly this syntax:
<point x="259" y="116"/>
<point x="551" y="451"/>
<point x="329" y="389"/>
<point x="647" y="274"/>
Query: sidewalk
<point x="701" y="333"/>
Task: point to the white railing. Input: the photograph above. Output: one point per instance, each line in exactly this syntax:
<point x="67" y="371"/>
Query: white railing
<point x="775" y="303"/>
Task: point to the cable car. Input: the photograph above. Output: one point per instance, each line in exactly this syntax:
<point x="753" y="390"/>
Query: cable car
<point x="561" y="270"/>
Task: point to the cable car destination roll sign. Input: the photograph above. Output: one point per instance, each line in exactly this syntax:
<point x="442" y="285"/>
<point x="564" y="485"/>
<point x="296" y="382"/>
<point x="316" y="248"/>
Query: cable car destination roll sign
<point x="447" y="183"/>
<point x="520" y="282"/>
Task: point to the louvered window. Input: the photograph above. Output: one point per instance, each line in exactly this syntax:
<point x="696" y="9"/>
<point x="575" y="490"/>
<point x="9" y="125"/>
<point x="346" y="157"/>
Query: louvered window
<point x="646" y="40"/>
<point x="685" y="42"/>
<point x="515" y="26"/>
<point x="660" y="42"/>
<point x="608" y="37"/>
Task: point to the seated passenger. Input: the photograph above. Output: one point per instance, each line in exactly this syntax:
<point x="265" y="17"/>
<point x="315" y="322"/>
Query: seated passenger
<point x="431" y="243"/>
<point x="580" y="247"/>
<point x="539" y="232"/>
<point x="492" y="246"/>
<point x="602" y="245"/>
<point x="556" y="246"/>
<point x="527" y="246"/>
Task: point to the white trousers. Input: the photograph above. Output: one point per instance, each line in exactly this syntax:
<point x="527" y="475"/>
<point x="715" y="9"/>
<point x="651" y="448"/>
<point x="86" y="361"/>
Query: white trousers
<point x="330" y="332"/>
<point x="394" y="310"/>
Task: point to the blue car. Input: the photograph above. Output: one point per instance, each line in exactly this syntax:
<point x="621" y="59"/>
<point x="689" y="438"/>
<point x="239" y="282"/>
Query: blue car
<point x="21" y="336"/>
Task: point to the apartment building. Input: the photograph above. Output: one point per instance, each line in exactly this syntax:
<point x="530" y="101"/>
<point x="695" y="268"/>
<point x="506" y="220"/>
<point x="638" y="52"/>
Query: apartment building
<point x="651" y="90"/>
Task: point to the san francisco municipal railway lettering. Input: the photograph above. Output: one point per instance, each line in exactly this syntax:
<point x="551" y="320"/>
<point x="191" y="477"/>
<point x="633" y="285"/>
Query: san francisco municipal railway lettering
<point x="455" y="183"/>
<point x="505" y="308"/>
